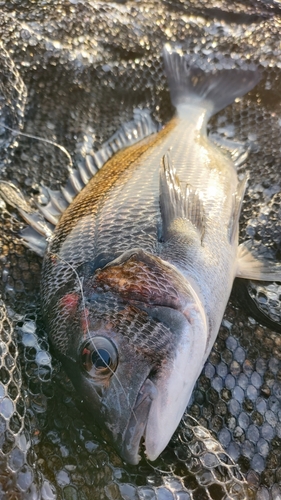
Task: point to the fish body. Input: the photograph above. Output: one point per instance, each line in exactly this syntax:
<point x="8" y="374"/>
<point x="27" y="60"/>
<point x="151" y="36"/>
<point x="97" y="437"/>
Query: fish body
<point x="139" y="270"/>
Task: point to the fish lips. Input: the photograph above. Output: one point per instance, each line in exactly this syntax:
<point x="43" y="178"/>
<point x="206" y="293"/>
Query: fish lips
<point x="125" y="408"/>
<point x="137" y="423"/>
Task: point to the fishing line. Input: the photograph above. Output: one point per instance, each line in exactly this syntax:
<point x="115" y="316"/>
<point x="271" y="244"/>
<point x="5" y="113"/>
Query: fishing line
<point x="156" y="469"/>
<point x="70" y="167"/>
<point x="48" y="141"/>
<point x="80" y="281"/>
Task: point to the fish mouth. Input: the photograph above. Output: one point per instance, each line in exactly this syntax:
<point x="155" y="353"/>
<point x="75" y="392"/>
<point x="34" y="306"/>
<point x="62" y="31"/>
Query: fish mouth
<point x="165" y="393"/>
<point x="137" y="423"/>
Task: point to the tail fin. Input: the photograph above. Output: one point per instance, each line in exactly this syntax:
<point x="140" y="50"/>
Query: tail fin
<point x="190" y="85"/>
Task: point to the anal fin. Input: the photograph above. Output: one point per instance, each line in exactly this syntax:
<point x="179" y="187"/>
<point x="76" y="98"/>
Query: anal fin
<point x="178" y="200"/>
<point x="238" y="151"/>
<point x="252" y="267"/>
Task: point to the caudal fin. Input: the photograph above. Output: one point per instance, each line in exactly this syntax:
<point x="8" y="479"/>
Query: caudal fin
<point x="190" y="85"/>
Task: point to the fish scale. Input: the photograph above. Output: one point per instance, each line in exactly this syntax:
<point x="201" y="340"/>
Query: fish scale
<point x="256" y="118"/>
<point x="132" y="207"/>
<point x="156" y="202"/>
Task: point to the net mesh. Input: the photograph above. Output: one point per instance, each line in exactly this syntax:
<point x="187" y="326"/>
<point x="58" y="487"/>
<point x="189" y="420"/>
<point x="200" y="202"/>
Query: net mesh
<point x="72" y="73"/>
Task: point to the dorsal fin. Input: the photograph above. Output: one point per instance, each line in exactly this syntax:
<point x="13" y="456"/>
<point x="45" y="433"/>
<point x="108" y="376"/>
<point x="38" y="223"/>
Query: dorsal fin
<point x="45" y="219"/>
<point x="129" y="133"/>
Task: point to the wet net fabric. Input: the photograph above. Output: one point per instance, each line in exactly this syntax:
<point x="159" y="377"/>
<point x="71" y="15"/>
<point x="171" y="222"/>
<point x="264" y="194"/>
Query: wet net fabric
<point x="72" y="73"/>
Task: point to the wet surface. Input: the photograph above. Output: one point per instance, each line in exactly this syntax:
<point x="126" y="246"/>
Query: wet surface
<point x="71" y="74"/>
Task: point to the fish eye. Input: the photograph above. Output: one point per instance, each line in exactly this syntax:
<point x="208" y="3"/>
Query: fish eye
<point x="99" y="357"/>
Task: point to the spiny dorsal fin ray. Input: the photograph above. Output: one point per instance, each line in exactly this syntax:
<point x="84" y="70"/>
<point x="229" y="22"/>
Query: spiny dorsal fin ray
<point x="178" y="200"/>
<point x="38" y="223"/>
<point x="34" y="241"/>
<point x="57" y="199"/>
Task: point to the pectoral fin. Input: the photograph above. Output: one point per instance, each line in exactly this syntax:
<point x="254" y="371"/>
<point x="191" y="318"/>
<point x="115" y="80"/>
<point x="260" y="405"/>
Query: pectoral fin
<point x="252" y="267"/>
<point x="178" y="200"/>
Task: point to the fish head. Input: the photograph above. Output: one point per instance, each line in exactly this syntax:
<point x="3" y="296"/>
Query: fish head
<point x="136" y="347"/>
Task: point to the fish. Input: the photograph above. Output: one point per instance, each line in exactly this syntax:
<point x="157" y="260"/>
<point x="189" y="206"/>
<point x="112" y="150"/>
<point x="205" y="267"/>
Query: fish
<point x="139" y="268"/>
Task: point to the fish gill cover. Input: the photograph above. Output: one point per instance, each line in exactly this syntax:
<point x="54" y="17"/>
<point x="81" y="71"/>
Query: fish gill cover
<point x="72" y="73"/>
